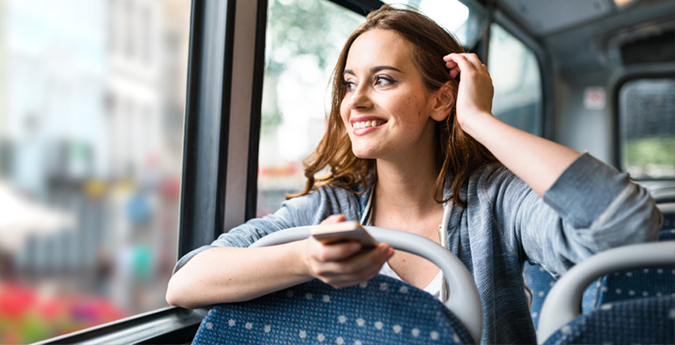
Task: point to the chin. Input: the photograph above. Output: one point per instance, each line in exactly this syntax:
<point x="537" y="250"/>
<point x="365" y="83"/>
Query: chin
<point x="363" y="154"/>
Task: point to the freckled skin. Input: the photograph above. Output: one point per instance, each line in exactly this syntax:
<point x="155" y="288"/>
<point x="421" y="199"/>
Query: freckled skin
<point x="405" y="104"/>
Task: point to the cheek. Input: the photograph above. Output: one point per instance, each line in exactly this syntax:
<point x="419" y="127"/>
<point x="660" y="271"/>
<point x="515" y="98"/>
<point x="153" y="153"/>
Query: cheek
<point x="344" y="113"/>
<point x="412" y="110"/>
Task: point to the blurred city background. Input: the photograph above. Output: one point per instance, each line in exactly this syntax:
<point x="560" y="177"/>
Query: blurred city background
<point x="92" y="99"/>
<point x="92" y="95"/>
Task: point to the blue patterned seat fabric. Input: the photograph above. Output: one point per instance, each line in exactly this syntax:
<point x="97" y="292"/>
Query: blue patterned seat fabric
<point x="668" y="221"/>
<point x="644" y="282"/>
<point x="381" y="311"/>
<point x="639" y="321"/>
<point x="540" y="282"/>
<point x="634" y="307"/>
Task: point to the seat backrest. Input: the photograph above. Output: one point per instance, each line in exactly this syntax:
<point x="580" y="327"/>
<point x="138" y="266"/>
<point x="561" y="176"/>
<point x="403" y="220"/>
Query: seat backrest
<point x="463" y="300"/>
<point x="638" y="283"/>
<point x="628" y="321"/>
<point x="668" y="210"/>
<point x="540" y="282"/>
<point x="639" y="321"/>
<point x="380" y="311"/>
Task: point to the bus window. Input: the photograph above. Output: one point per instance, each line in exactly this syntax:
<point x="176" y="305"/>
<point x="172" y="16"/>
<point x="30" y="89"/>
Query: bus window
<point x="517" y="81"/>
<point x="463" y="20"/>
<point x="304" y="38"/>
<point x="91" y="127"/>
<point x="647" y="125"/>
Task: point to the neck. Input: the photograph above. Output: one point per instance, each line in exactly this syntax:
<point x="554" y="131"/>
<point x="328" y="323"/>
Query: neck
<point x="406" y="187"/>
<point x="406" y="180"/>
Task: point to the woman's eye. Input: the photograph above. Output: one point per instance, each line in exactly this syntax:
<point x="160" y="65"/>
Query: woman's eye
<point x="383" y="81"/>
<point x="348" y="85"/>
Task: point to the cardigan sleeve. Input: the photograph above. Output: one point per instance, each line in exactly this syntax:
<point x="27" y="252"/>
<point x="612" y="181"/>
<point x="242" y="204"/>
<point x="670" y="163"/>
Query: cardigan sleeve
<point x="308" y="209"/>
<point x="590" y="208"/>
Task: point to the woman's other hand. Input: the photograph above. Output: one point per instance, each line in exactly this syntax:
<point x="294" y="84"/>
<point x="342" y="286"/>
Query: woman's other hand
<point x="475" y="92"/>
<point x="343" y="264"/>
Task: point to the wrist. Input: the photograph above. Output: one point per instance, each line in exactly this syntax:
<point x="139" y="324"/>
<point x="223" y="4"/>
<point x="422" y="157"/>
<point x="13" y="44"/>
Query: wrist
<point x="301" y="260"/>
<point x="475" y="124"/>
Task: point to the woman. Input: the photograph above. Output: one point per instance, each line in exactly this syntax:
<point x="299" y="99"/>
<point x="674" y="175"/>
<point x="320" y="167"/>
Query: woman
<point x="410" y="148"/>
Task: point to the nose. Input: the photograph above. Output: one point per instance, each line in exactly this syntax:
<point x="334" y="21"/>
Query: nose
<point x="359" y="98"/>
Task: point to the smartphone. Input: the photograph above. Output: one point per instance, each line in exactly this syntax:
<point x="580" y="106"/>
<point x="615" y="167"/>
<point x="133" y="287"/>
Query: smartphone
<point x="343" y="232"/>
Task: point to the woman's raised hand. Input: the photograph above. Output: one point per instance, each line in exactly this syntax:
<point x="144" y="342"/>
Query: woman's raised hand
<point x="475" y="85"/>
<point x="536" y="161"/>
<point x="342" y="264"/>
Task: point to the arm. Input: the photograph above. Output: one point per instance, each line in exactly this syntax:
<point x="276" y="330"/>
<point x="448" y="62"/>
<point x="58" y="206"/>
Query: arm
<point x="590" y="208"/>
<point x="579" y="207"/>
<point x="537" y="161"/>
<point x="226" y="274"/>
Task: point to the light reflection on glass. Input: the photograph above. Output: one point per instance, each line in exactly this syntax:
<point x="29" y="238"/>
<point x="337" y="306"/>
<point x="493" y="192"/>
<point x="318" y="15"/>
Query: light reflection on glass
<point x="304" y="38"/>
<point x="450" y="14"/>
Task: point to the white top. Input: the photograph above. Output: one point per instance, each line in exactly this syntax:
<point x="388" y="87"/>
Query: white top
<point x="434" y="288"/>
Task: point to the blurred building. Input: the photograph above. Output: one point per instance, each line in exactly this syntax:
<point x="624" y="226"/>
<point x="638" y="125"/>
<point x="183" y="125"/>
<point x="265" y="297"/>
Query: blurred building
<point x="92" y="97"/>
<point x="54" y="133"/>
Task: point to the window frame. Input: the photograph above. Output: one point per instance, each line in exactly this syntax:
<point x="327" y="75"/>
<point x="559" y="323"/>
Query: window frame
<point x="546" y="71"/>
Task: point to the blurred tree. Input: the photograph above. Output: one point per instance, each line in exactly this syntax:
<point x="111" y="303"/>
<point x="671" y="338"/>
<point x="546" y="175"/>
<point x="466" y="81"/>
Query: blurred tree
<point x="300" y="27"/>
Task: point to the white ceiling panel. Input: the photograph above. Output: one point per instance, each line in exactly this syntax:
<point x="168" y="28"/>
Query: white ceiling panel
<point x="546" y="16"/>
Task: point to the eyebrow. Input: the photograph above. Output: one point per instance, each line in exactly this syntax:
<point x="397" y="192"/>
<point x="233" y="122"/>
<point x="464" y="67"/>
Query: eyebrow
<point x="375" y="69"/>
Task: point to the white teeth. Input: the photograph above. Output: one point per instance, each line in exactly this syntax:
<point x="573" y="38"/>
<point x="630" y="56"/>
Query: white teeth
<point x="364" y="124"/>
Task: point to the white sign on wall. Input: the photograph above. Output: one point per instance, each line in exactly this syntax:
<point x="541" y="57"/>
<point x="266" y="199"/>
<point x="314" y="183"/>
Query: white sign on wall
<point x="595" y="98"/>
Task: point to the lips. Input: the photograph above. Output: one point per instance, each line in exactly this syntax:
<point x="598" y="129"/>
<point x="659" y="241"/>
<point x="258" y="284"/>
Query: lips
<point x="364" y="125"/>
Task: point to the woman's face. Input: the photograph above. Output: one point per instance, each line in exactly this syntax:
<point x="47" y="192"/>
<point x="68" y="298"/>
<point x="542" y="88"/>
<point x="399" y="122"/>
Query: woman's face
<point x="386" y="109"/>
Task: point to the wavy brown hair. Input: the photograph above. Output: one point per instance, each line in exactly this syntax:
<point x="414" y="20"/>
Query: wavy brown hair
<point x="458" y="155"/>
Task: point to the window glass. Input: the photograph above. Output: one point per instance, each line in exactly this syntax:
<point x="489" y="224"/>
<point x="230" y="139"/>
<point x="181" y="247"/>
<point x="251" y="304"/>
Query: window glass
<point x="647" y="121"/>
<point x="304" y="38"/>
<point x="92" y="96"/>
<point x="462" y="20"/>
<point x="517" y="81"/>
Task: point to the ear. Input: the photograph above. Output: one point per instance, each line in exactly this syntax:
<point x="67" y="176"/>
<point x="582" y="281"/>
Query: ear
<point x="443" y="101"/>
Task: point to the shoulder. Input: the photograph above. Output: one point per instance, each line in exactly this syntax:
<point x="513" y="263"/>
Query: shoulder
<point x="328" y="193"/>
<point x="328" y="200"/>
<point x="493" y="183"/>
<point x="492" y="176"/>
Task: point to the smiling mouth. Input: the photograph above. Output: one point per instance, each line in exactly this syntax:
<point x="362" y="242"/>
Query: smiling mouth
<point x="367" y="124"/>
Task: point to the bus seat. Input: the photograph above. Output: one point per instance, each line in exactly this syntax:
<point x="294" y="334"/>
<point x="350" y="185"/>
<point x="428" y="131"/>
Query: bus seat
<point x="639" y="320"/>
<point x="381" y="311"/>
<point x="643" y="282"/>
<point x="618" y="287"/>
<point x="540" y="282"/>
<point x="668" y="211"/>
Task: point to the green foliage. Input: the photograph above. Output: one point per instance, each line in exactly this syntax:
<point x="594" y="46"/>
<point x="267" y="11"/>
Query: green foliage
<point x="305" y="27"/>
<point x="650" y="157"/>
<point x="271" y="115"/>
<point x="300" y="27"/>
